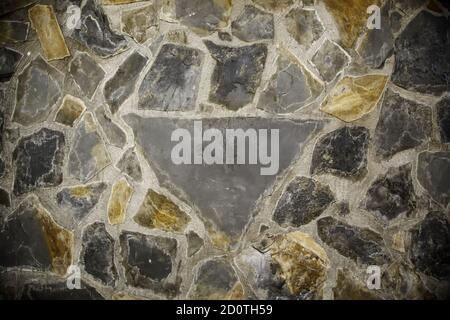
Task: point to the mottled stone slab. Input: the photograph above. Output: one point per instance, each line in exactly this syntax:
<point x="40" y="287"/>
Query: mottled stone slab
<point x="218" y="188"/>
<point x="141" y="24"/>
<point x="14" y="31"/>
<point x="303" y="200"/>
<point x="7" y="6"/>
<point x="274" y="4"/>
<point x="96" y="33"/>
<point x="88" y="155"/>
<point x="421" y="58"/>
<point x="97" y="253"/>
<point x="304" y="26"/>
<point x="118" y="202"/>
<point x="159" y="212"/>
<point x="354" y="97"/>
<point x="359" y="244"/>
<point x="349" y="288"/>
<point x="38" y="89"/>
<point x="8" y="62"/>
<point x="117" y="91"/>
<point x="203" y="16"/>
<point x="403" y="124"/>
<point x="195" y="243"/>
<point x="30" y="238"/>
<point x="172" y="82"/>
<point x="115" y="135"/>
<point x="253" y="24"/>
<point x="43" y="21"/>
<point x="237" y="74"/>
<point x="71" y="109"/>
<point x="433" y="170"/>
<point x="129" y="164"/>
<point x="342" y="152"/>
<point x="392" y="194"/>
<point x="443" y="119"/>
<point x="86" y="73"/>
<point x="38" y="159"/>
<point x="430" y="245"/>
<point x="330" y="59"/>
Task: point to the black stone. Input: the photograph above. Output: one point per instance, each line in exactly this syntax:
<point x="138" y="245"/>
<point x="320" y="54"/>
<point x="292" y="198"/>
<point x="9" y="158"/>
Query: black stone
<point x="433" y="172"/>
<point x="4" y="198"/>
<point x="443" y="118"/>
<point x="8" y="63"/>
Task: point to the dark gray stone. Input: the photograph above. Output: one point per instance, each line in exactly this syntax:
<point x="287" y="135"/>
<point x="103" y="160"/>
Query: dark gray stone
<point x="172" y="82"/>
<point x="330" y="59"/>
<point x="38" y="159"/>
<point x="129" y="164"/>
<point x="7" y="6"/>
<point x="303" y="201"/>
<point x="195" y="243"/>
<point x="2" y="167"/>
<point x="4" y="198"/>
<point x="14" y="31"/>
<point x="8" y="63"/>
<point x="113" y="133"/>
<point x="443" y="118"/>
<point x="237" y="74"/>
<point x="304" y="26"/>
<point x="86" y="73"/>
<point x="253" y="25"/>
<point x="433" y="170"/>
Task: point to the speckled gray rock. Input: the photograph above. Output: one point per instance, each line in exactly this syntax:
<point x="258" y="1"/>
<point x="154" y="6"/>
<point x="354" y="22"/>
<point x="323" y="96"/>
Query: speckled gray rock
<point x="86" y="73"/>
<point x="304" y="26"/>
<point x="433" y="170"/>
<point x="38" y="89"/>
<point x="443" y="118"/>
<point x="303" y="200"/>
<point x="330" y="59"/>
<point x="172" y="82"/>
<point x="421" y="58"/>
<point x="117" y="91"/>
<point x="115" y="135"/>
<point x="129" y="164"/>
<point x="8" y="62"/>
<point x="97" y="253"/>
<point x="342" y="152"/>
<point x="195" y="243"/>
<point x="403" y="124"/>
<point x="237" y="74"/>
<point x="253" y="25"/>
<point x="38" y="160"/>
<point x="358" y="244"/>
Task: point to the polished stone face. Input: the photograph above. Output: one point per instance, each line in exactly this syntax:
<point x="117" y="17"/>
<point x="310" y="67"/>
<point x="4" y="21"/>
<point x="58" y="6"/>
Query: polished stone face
<point x="121" y="169"/>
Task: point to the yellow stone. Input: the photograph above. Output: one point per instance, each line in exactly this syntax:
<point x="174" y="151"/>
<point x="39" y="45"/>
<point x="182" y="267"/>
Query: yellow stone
<point x="354" y="97"/>
<point x="70" y="110"/>
<point x="43" y="20"/>
<point x="118" y="202"/>
<point x="158" y="211"/>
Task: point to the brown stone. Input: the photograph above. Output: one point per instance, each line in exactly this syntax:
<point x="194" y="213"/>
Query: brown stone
<point x="118" y="202"/>
<point x="348" y="288"/>
<point x="70" y="110"/>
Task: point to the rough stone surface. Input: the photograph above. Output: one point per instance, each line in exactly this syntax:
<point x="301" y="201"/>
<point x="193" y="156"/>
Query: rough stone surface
<point x="253" y="25"/>
<point x="330" y="59"/>
<point x="115" y="135"/>
<point x="118" y="203"/>
<point x="141" y="24"/>
<point x="86" y="73"/>
<point x="129" y="164"/>
<point x="443" y="118"/>
<point x="70" y="110"/>
<point x="433" y="170"/>
<point x="304" y="26"/>
<point x="8" y="63"/>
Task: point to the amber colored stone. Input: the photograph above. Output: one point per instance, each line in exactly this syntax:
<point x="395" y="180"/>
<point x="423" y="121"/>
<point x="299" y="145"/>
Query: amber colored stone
<point x="70" y="110"/>
<point x="118" y="203"/>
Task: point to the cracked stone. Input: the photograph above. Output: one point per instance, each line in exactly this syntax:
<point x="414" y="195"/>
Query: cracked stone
<point x="88" y="155"/>
<point x="303" y="201"/>
<point x="443" y="118"/>
<point x="392" y="194"/>
<point x="195" y="243"/>
<point x="173" y="81"/>
<point x="330" y="59"/>
<point x="97" y="253"/>
<point x="349" y="288"/>
<point x="158" y="211"/>
<point x="71" y="109"/>
<point x="253" y="25"/>
<point x="13" y="31"/>
<point x="359" y="244"/>
<point x="86" y="73"/>
<point x="38" y="160"/>
<point x="30" y="238"/>
<point x="237" y="74"/>
<point x="38" y="89"/>
<point x="421" y="55"/>
<point x="8" y="63"/>
<point x="354" y="97"/>
<point x="403" y="125"/>
<point x="342" y="152"/>
<point x="5" y="200"/>
<point x="433" y="170"/>
<point x="274" y="4"/>
<point x="117" y="91"/>
<point x="7" y="6"/>
<point x="129" y="164"/>
<point x="118" y="202"/>
<point x="115" y="135"/>
<point x="304" y="26"/>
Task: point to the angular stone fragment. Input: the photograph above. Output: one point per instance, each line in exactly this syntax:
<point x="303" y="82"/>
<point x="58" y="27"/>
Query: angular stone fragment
<point x="118" y="202"/>
<point x="195" y="243"/>
<point x="38" y="89"/>
<point x="43" y="21"/>
<point x="88" y="155"/>
<point x="349" y="288"/>
<point x="430" y="245"/>
<point x="30" y="238"/>
<point x="70" y="110"/>
<point x="95" y="32"/>
<point x="342" y="152"/>
<point x="38" y="159"/>
<point x="354" y="97"/>
<point x="274" y="4"/>
<point x="303" y="200"/>
<point x="204" y="16"/>
<point x="172" y="82"/>
<point x="13" y="31"/>
<point x="304" y="26"/>
<point x="8" y="63"/>
<point x="330" y="59"/>
<point x="443" y="119"/>
<point x="141" y="24"/>
<point x="129" y="164"/>
<point x="115" y="135"/>
<point x="158" y="211"/>
<point x="253" y="25"/>
<point x="97" y="253"/>
<point x="86" y="73"/>
<point x="237" y="74"/>
<point x="79" y="201"/>
<point x="291" y="87"/>
<point x="359" y="244"/>
<point x="433" y="170"/>
<point x="116" y="89"/>
<point x="7" y="6"/>
<point x="403" y="124"/>
<point x="4" y="198"/>
<point x="392" y="194"/>
<point x="421" y="58"/>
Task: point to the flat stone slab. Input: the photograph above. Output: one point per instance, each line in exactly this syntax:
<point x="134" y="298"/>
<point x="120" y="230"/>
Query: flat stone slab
<point x="433" y="170"/>
<point x="8" y="63"/>
<point x="86" y="73"/>
<point x="253" y="25"/>
<point x="118" y="202"/>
